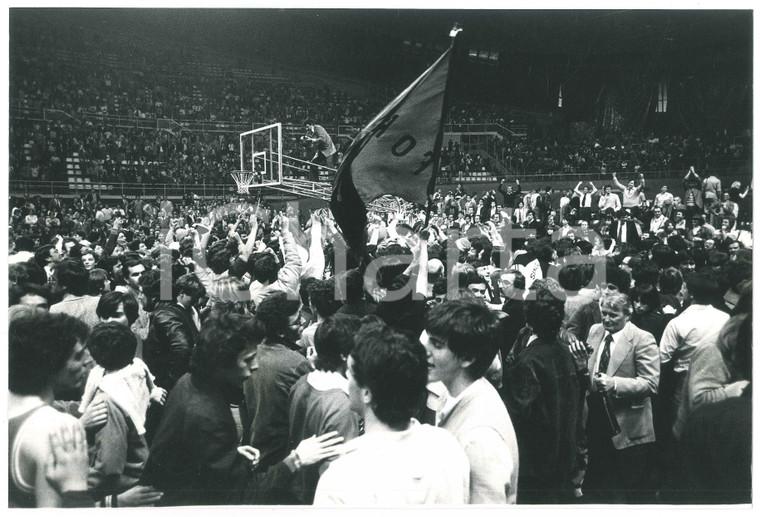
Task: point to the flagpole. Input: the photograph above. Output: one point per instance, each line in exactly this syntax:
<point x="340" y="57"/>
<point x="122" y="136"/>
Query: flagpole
<point x="439" y="139"/>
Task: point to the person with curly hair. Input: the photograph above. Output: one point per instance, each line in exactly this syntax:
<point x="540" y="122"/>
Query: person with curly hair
<point x="280" y="365"/>
<point x="195" y="458"/>
<point x="47" y="357"/>
<point x="542" y="397"/>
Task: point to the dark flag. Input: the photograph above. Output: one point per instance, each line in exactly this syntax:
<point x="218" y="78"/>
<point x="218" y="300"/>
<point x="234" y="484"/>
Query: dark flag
<point x="398" y="153"/>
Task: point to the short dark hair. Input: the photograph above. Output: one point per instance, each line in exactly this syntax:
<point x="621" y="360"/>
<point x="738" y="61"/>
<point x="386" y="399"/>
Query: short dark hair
<point x="545" y="317"/>
<point x="222" y="338"/>
<point x="737" y="271"/>
<point x="107" y="263"/>
<point x="190" y="285"/>
<point x="26" y="273"/>
<point x="18" y="291"/>
<point x="334" y="339"/>
<point x="394" y="369"/>
<point x="584" y="246"/>
<point x="469" y="329"/>
<point x="263" y="267"/>
<point x="72" y="276"/>
<point x="472" y="277"/>
<point x="150" y="281"/>
<point x="109" y="302"/>
<point x="322" y="297"/>
<point x="96" y="282"/>
<point x="573" y="277"/>
<point x="519" y="282"/>
<point x="619" y="277"/>
<point x="645" y="272"/>
<point x="702" y="287"/>
<point x="646" y="294"/>
<point x="219" y="254"/>
<point x="564" y="246"/>
<point x="664" y="256"/>
<point x="112" y="345"/>
<point x="24" y="243"/>
<point x="303" y="290"/>
<point x="39" y="344"/>
<point x="42" y="254"/>
<point x="130" y="262"/>
<point x="670" y="281"/>
<point x="273" y="312"/>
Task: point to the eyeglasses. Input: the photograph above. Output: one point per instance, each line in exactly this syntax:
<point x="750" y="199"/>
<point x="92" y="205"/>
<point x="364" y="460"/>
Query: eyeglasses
<point x="609" y="286"/>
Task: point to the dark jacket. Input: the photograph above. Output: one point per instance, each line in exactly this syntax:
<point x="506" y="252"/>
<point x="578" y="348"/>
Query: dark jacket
<point x="716" y="453"/>
<point x="653" y="322"/>
<point x="169" y="344"/>
<point x="194" y="459"/>
<point x="542" y="399"/>
<point x="266" y="396"/>
<point x="511" y="325"/>
<point x="510" y="200"/>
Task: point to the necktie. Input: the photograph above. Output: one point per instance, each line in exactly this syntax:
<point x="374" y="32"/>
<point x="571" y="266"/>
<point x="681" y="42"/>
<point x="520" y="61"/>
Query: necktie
<point x="583" y="200"/>
<point x="604" y="360"/>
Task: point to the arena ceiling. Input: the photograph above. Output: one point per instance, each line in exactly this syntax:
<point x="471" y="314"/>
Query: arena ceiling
<point x="567" y="32"/>
<point x="564" y="32"/>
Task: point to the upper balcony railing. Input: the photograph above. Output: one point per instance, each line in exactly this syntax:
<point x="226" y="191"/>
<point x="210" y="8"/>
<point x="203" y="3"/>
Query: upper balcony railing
<point x="216" y="189"/>
<point x="341" y="130"/>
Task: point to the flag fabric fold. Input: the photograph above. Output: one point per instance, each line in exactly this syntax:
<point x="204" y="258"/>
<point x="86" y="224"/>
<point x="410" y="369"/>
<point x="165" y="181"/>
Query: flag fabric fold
<point x="395" y="154"/>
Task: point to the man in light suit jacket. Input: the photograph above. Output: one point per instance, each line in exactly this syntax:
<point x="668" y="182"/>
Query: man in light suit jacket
<point x="625" y="369"/>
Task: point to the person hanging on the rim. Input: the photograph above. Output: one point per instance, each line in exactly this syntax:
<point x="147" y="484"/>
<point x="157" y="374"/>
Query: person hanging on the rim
<point x="325" y="149"/>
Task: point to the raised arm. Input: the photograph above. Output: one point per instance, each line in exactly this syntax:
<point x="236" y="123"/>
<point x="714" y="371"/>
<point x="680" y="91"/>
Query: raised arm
<point x="247" y="248"/>
<point x="315" y="267"/>
<point x="421" y="286"/>
<point x="501" y="187"/>
<point x="616" y="182"/>
<point x="691" y="173"/>
<point x="290" y="273"/>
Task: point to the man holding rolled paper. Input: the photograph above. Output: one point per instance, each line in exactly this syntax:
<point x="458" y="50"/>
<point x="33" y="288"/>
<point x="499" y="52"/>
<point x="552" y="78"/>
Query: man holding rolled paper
<point x="624" y="365"/>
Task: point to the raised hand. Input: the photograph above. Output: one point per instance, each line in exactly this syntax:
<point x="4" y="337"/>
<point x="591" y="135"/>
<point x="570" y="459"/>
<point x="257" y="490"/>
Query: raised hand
<point x="95" y="416"/>
<point x="317" y="448"/>
<point x="67" y="466"/>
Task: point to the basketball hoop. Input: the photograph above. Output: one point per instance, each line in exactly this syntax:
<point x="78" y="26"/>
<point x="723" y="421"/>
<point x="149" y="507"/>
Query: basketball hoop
<point x="243" y="180"/>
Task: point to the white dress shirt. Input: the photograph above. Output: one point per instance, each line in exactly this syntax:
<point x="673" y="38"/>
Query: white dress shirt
<point x="615" y="339"/>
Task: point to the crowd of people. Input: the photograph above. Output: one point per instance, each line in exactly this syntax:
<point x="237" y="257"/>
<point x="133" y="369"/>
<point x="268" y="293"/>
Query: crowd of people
<point x="106" y="151"/>
<point x="591" y="345"/>
<point x="626" y="152"/>
<point x="588" y="346"/>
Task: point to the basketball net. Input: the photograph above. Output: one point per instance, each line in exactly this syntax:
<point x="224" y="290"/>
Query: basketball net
<point x="243" y="180"/>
